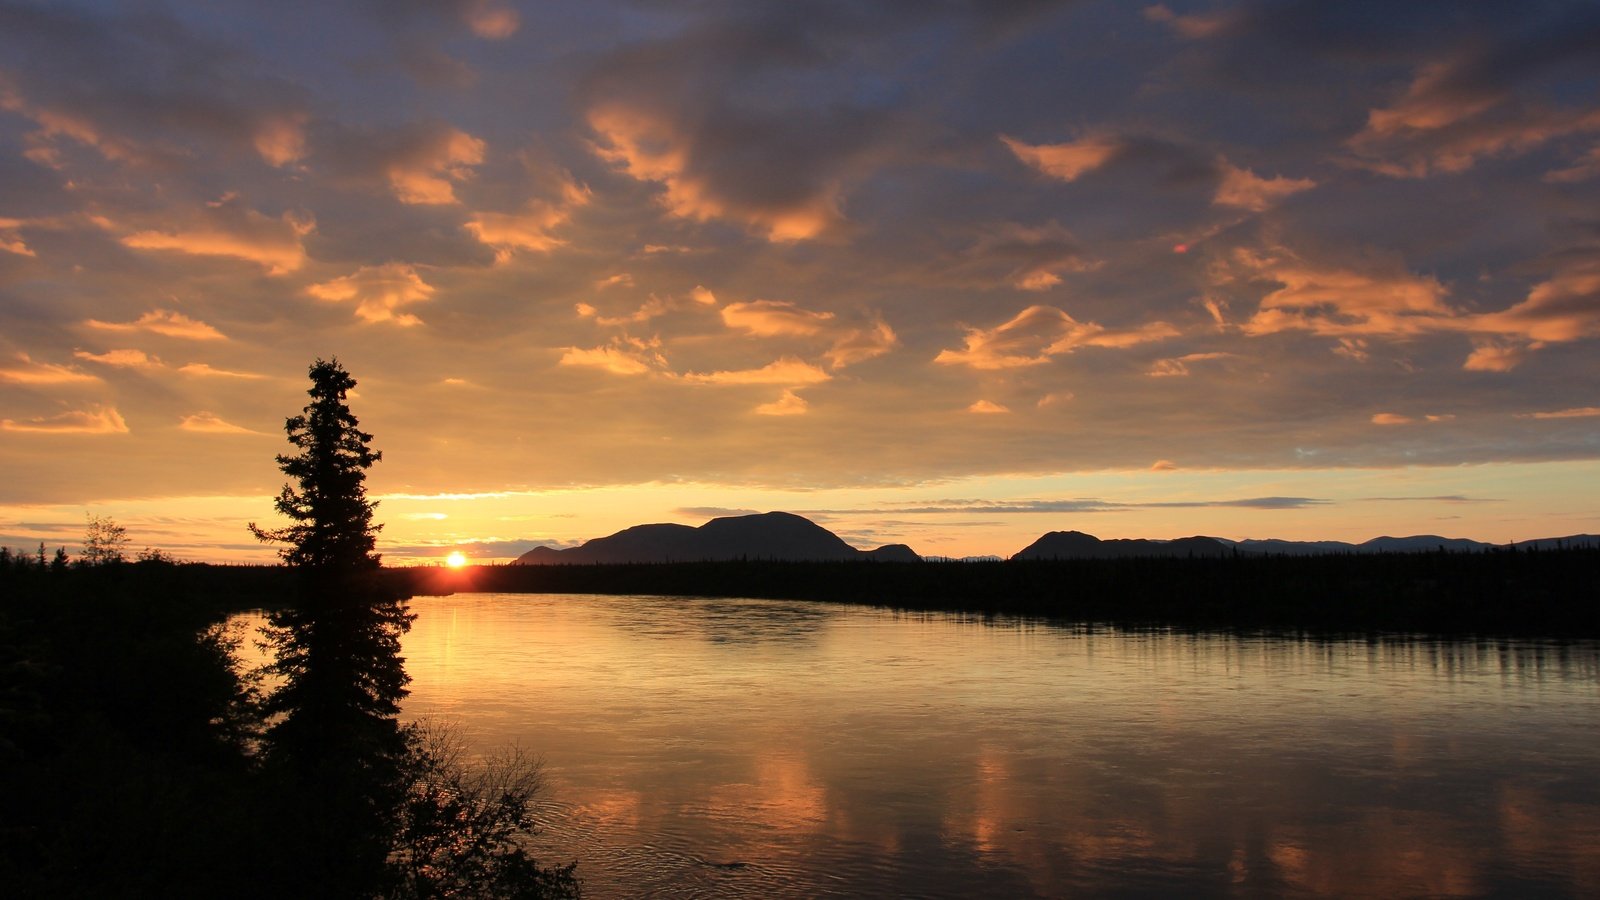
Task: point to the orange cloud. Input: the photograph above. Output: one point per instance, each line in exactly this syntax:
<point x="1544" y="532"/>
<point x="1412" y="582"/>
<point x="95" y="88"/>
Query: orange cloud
<point x="31" y="372"/>
<point x="1242" y="188"/>
<point x="1391" y="419"/>
<point x="768" y="318"/>
<point x="1496" y="356"/>
<point x="1179" y="366"/>
<point x="786" y="370"/>
<point x="1578" y="412"/>
<point x="203" y="370"/>
<point x="623" y="356"/>
<point x="653" y="308"/>
<point x="99" y="420"/>
<point x="788" y="404"/>
<point x="281" y="140"/>
<point x="378" y="292"/>
<point x="986" y="408"/>
<point x="531" y="228"/>
<point x="491" y="20"/>
<point x="860" y="344"/>
<point x="428" y="174"/>
<point x="124" y="359"/>
<point x="164" y="322"/>
<point x="647" y="147"/>
<point x="207" y="423"/>
<point x="1163" y="465"/>
<point x="11" y="238"/>
<point x="1335" y="300"/>
<point x="228" y="228"/>
<point x="1564" y="307"/>
<point x="1065" y="161"/>
<point x="1037" y="334"/>
<point x="1447" y="119"/>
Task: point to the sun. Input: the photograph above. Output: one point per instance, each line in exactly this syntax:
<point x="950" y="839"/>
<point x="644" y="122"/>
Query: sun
<point x="456" y="559"/>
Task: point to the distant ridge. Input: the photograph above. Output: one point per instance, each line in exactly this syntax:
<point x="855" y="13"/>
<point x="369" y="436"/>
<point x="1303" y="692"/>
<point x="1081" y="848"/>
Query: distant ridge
<point x="782" y="536"/>
<point x="1077" y="545"/>
<point x="764" y="536"/>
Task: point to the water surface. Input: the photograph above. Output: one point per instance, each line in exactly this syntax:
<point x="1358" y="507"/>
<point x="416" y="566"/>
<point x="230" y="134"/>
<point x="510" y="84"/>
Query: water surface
<point x="700" y="747"/>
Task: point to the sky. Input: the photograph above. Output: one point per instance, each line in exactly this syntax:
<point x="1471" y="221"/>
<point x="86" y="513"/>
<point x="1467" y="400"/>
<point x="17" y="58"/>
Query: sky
<point x="948" y="273"/>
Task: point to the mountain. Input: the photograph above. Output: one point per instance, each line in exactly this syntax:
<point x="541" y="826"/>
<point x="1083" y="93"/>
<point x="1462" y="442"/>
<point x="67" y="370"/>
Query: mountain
<point x="1420" y="543"/>
<point x="1559" y="543"/>
<point x="773" y="535"/>
<point x="1077" y="545"/>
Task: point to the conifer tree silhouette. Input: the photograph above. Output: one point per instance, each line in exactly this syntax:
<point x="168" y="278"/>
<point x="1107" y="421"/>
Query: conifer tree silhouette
<point x="334" y="726"/>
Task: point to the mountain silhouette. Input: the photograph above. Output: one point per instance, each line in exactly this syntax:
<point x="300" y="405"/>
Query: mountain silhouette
<point x="766" y="536"/>
<point x="1077" y="545"/>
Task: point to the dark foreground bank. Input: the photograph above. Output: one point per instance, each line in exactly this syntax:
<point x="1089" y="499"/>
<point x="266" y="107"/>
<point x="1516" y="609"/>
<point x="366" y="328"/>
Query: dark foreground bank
<point x="1553" y="593"/>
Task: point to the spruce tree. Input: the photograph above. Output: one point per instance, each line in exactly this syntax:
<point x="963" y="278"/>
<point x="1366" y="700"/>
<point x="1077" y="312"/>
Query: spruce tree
<point x="334" y="729"/>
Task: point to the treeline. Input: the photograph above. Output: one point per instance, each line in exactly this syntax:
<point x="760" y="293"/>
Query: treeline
<point x="1503" y="592"/>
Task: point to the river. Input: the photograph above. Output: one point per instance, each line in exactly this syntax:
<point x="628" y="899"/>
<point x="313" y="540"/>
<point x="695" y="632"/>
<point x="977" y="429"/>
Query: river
<point x="713" y="747"/>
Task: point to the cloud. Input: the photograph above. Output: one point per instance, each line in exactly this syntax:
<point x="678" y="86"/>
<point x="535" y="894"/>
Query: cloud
<point x="492" y="20"/>
<point x="714" y="512"/>
<point x="531" y="227"/>
<point x="1391" y="419"/>
<point x="1038" y="333"/>
<point x="11" y="237"/>
<point x="1587" y="167"/>
<point x="426" y="171"/>
<point x="378" y="292"/>
<point x="122" y="359"/>
<point x="767" y="318"/>
<point x="1492" y="98"/>
<point x="1179" y="366"/>
<point x="1379" y="297"/>
<point x="98" y="420"/>
<point x="986" y="407"/>
<point x="856" y="345"/>
<point x="205" y="370"/>
<point x="1193" y="26"/>
<point x="653" y="308"/>
<point x="281" y="140"/>
<point x="1242" y="188"/>
<point x="781" y="318"/>
<point x="165" y="322"/>
<point x="1496" y="356"/>
<point x="207" y="423"/>
<point x="1577" y="412"/>
<point x="1068" y="506"/>
<point x="1027" y="258"/>
<point x="1065" y="161"/>
<point x="623" y="356"/>
<point x="788" y="404"/>
<point x="230" y="229"/>
<point x="1163" y="465"/>
<point x="1564" y="307"/>
<point x="30" y="372"/>
<point x="647" y="146"/>
<point x="786" y="370"/>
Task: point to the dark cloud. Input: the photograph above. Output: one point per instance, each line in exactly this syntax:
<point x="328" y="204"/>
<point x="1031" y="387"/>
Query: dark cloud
<point x="992" y="507"/>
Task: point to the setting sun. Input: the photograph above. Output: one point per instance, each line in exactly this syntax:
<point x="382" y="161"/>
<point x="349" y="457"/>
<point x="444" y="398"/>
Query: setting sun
<point x="456" y="559"/>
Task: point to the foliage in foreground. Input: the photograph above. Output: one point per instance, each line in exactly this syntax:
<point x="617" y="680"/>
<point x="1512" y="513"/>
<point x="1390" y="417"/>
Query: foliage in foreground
<point x="130" y="765"/>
